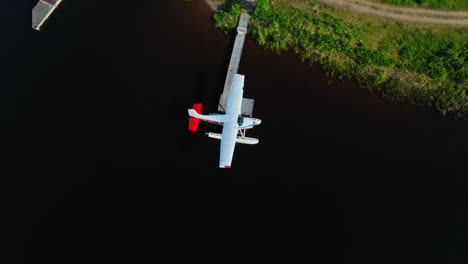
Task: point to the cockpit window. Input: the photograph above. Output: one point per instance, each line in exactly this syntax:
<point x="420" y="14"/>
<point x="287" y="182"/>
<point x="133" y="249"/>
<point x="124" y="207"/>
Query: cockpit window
<point x="240" y="120"/>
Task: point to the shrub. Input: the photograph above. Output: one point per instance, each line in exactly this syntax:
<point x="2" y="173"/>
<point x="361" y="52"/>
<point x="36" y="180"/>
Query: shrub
<point x="262" y="8"/>
<point x="227" y="19"/>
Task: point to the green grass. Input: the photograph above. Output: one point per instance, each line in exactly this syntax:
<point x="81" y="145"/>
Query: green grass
<point x="412" y="64"/>
<point x="435" y="4"/>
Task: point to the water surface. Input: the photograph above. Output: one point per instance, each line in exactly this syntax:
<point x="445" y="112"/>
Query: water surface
<point x="99" y="129"/>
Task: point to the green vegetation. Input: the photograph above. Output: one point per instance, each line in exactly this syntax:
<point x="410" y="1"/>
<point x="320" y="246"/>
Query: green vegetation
<point x="407" y="64"/>
<point x="435" y="56"/>
<point x="229" y="17"/>
<point x="436" y="4"/>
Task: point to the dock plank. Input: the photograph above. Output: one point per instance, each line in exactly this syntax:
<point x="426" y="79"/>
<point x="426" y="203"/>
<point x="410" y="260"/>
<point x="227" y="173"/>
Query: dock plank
<point x="41" y="12"/>
<point x="247" y="104"/>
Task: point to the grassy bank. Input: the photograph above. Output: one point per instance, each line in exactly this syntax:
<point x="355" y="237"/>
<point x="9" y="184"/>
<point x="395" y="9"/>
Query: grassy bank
<point x="435" y="4"/>
<point x="423" y="65"/>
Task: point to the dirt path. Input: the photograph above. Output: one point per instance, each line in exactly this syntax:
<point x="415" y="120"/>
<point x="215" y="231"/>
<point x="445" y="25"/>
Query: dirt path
<point x="406" y="14"/>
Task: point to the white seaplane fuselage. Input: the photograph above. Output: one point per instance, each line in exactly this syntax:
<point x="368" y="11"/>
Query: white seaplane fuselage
<point x="232" y="123"/>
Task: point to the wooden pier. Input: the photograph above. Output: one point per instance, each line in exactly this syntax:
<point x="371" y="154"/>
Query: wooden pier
<point x="247" y="104"/>
<point x="42" y="10"/>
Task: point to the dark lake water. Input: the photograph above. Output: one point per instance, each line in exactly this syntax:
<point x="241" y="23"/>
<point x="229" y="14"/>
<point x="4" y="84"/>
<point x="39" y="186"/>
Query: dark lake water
<point x="95" y="119"/>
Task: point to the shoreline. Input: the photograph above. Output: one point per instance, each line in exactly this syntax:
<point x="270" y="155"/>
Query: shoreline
<point x="383" y="56"/>
<point x="214" y="6"/>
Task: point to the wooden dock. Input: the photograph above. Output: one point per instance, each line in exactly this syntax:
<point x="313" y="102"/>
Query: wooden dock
<point x="247" y="104"/>
<point x="42" y="10"/>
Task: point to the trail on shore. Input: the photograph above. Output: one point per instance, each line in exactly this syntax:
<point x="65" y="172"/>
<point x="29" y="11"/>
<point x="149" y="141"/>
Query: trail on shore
<point x="406" y="14"/>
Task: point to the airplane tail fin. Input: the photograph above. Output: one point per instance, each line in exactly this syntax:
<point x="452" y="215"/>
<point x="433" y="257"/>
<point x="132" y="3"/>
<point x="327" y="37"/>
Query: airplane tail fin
<point x="194" y="121"/>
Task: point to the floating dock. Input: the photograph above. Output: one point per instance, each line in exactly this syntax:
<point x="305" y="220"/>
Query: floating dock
<point x="42" y="10"/>
<point x="247" y="104"/>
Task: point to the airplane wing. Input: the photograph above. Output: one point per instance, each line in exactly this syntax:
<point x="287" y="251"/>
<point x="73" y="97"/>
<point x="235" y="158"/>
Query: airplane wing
<point x="228" y="142"/>
<point x="231" y="126"/>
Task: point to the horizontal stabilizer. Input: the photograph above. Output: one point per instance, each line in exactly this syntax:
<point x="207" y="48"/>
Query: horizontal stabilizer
<point x="193" y="121"/>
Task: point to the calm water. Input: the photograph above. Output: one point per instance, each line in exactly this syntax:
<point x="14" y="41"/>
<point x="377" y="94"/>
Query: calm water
<point x="95" y="115"/>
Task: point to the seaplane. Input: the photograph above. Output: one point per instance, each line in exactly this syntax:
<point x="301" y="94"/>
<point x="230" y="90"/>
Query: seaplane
<point x="234" y="124"/>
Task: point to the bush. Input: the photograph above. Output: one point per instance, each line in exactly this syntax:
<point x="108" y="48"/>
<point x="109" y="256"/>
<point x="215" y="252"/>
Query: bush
<point x="262" y="8"/>
<point x="227" y="19"/>
<point x="436" y="56"/>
